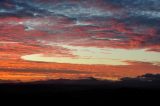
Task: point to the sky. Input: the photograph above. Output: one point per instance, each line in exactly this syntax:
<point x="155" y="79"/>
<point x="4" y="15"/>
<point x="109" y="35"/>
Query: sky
<point x="74" y="39"/>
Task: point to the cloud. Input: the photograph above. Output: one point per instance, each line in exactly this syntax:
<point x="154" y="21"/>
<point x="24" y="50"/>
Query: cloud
<point x="45" y="26"/>
<point x="41" y="71"/>
<point x="5" y="42"/>
<point x="93" y="55"/>
<point x="28" y="70"/>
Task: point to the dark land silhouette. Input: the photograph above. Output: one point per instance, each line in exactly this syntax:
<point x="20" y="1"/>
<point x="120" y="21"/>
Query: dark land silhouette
<point x="146" y="86"/>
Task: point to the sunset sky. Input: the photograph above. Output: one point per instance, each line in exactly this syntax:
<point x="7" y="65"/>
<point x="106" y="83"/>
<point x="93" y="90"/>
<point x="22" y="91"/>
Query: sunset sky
<point x="74" y="39"/>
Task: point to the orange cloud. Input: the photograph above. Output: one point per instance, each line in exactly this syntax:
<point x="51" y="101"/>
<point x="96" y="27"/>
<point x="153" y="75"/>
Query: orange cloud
<point x="22" y="70"/>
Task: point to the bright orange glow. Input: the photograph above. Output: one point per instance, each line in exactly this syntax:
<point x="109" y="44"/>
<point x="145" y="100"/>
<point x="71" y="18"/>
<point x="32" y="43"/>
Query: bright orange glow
<point x="31" y="71"/>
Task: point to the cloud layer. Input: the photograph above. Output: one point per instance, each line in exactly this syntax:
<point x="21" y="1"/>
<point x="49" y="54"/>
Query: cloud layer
<point x="60" y="28"/>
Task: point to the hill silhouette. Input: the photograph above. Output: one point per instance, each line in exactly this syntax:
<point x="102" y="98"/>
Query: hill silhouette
<point x="145" y="86"/>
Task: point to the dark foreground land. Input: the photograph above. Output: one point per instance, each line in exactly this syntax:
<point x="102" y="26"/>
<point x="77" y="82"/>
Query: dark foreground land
<point x="147" y="86"/>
